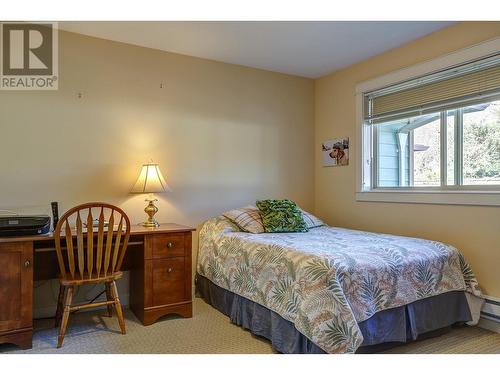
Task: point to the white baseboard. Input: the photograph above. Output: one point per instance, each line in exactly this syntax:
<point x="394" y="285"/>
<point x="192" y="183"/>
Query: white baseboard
<point x="490" y="314"/>
<point x="491" y="308"/>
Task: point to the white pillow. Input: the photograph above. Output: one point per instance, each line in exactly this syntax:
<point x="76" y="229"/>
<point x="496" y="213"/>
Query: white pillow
<point x="311" y="220"/>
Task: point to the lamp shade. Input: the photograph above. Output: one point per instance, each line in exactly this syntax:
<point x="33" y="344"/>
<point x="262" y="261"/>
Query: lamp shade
<point x="150" y="180"/>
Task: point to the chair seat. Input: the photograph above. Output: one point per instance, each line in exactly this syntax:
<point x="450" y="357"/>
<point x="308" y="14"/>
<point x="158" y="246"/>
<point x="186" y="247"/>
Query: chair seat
<point x="92" y="279"/>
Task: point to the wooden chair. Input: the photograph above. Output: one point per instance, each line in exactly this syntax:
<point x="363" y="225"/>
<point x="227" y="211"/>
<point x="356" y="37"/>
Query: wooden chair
<point x="98" y="259"/>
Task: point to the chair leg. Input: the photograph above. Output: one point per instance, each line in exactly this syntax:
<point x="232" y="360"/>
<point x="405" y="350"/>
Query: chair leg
<point x="65" y="317"/>
<point x="118" y="306"/>
<point x="109" y="297"/>
<point x="60" y="301"/>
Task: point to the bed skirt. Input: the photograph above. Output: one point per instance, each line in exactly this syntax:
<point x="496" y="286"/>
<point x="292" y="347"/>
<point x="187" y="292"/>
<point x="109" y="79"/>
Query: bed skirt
<point x="417" y="320"/>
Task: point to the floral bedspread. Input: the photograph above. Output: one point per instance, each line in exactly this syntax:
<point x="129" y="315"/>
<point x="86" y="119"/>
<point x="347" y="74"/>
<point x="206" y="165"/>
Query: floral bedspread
<point x="327" y="280"/>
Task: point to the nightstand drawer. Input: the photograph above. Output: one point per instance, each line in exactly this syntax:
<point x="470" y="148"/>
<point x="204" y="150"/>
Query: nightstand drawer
<point x="169" y="281"/>
<point x="168" y="245"/>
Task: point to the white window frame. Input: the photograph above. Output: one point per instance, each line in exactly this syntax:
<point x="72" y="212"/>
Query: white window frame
<point x="463" y="195"/>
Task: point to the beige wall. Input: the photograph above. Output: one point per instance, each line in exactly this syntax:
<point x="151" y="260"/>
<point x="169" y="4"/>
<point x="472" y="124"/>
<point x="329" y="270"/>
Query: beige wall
<point x="473" y="230"/>
<point x="224" y="135"/>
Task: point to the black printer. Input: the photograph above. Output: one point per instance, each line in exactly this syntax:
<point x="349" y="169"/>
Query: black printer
<point x="19" y="225"/>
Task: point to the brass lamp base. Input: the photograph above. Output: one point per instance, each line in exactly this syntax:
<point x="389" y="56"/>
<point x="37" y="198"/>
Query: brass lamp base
<point x="151" y="210"/>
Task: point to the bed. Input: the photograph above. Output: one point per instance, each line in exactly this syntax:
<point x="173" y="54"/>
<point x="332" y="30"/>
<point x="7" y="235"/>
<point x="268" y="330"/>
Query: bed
<point x="334" y="290"/>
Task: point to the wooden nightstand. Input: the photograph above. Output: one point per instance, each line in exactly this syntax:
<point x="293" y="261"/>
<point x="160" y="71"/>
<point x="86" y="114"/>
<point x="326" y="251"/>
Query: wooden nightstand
<point x="160" y="279"/>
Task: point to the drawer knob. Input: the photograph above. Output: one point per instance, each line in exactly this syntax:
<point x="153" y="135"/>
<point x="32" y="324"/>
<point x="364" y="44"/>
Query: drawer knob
<point x="169" y="270"/>
<point x="170" y="245"/>
<point x="27" y="264"/>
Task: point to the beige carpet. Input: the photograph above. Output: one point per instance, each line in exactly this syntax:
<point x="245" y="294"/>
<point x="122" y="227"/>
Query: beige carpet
<point x="208" y="331"/>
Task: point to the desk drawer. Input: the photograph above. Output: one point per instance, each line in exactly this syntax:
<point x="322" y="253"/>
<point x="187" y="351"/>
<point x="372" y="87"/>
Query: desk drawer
<point x="169" y="281"/>
<point x="168" y="245"/>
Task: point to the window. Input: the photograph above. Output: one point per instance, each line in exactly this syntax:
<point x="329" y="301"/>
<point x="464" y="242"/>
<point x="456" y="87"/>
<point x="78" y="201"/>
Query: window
<point x="424" y="151"/>
<point x="481" y="144"/>
<point x="438" y="132"/>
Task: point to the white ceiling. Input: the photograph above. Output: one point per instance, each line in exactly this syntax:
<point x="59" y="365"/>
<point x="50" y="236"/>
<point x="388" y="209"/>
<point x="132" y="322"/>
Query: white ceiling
<point x="308" y="49"/>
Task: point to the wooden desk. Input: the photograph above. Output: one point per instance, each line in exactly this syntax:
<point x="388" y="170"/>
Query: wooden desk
<point x="159" y="260"/>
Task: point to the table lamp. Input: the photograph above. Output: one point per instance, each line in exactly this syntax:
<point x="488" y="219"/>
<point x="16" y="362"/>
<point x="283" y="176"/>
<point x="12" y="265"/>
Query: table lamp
<point x="150" y="181"/>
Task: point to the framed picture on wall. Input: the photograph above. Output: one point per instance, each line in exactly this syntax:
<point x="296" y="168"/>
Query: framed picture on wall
<point x="335" y="152"/>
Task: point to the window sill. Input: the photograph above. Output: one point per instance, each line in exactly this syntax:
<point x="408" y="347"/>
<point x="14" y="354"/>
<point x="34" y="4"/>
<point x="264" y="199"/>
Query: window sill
<point x="445" y="197"/>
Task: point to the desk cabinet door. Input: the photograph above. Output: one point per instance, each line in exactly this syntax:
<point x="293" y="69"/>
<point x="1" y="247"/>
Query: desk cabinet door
<point x="16" y="286"/>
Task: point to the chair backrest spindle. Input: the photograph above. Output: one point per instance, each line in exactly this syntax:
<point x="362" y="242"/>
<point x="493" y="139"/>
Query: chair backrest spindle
<point x="79" y="243"/>
<point x="100" y="236"/>
<point x="117" y="243"/>
<point x="109" y="242"/>
<point x="90" y="243"/>
<point x="69" y="249"/>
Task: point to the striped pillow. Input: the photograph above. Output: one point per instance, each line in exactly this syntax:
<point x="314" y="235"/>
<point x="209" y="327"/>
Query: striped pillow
<point x="311" y="220"/>
<point x="247" y="218"/>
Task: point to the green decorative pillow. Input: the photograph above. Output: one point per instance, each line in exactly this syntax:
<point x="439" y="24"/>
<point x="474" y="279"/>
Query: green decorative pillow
<point x="281" y="215"/>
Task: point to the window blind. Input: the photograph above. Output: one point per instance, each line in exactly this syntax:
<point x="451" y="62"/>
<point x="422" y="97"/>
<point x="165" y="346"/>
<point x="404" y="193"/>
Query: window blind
<point x="447" y="89"/>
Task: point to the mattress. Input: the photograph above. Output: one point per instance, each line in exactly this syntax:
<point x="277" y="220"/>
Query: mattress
<point x="328" y="280"/>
